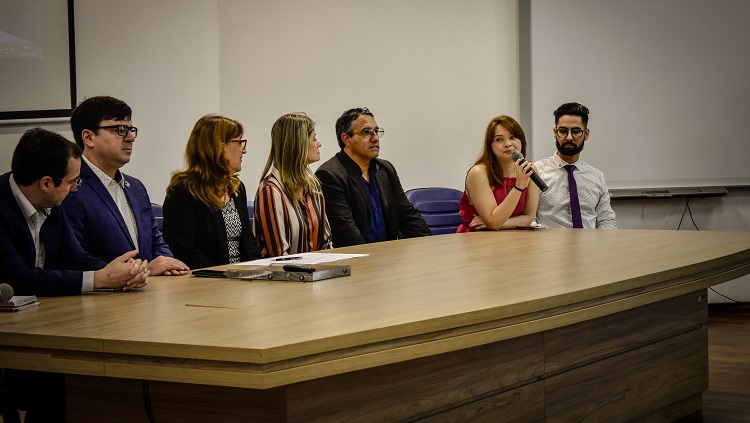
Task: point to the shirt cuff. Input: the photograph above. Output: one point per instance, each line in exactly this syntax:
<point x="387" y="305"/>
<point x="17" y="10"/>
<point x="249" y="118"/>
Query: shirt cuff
<point x="88" y="282"/>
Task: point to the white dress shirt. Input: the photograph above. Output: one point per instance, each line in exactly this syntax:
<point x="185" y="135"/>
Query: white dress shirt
<point x="117" y="191"/>
<point x="593" y="195"/>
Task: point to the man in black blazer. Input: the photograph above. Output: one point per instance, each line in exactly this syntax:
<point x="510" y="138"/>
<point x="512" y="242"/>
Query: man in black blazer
<point x="364" y="198"/>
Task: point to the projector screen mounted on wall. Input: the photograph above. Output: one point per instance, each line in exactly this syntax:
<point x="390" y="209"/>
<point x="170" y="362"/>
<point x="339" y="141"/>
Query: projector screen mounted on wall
<point x="37" y="59"/>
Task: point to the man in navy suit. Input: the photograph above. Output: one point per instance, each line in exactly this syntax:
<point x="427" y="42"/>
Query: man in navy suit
<point x="111" y="211"/>
<point x="39" y="255"/>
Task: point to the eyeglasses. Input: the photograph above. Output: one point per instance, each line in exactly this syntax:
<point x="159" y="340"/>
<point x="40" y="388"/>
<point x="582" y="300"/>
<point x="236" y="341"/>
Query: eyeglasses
<point x="122" y="130"/>
<point x="243" y="143"/>
<point x="369" y="132"/>
<point x="576" y="132"/>
<point x="77" y="182"/>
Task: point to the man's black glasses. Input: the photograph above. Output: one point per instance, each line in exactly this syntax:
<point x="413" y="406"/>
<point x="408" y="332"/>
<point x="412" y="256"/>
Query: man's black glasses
<point x="122" y="130"/>
<point x="576" y="132"/>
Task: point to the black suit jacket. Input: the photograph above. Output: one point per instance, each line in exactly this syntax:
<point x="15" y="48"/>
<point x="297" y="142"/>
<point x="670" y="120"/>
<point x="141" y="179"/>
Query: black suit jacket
<point x="65" y="260"/>
<point x="348" y="202"/>
<point x="197" y="235"/>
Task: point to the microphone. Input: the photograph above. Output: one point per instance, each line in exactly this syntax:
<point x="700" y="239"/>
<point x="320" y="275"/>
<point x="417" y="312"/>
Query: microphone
<point x="6" y="292"/>
<point x="534" y="176"/>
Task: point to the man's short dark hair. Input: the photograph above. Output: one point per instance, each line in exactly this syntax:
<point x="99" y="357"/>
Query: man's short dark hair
<point x="93" y="110"/>
<point x="572" y="109"/>
<point x="41" y="153"/>
<point x="345" y="121"/>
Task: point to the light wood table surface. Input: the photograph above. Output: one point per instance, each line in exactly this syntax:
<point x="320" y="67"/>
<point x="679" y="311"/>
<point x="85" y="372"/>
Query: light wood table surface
<point x="408" y="300"/>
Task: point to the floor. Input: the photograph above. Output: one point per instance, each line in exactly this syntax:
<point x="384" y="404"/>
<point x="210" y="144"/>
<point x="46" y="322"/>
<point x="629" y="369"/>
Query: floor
<point x="727" y="399"/>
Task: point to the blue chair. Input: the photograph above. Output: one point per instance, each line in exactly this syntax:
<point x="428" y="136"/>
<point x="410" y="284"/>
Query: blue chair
<point x="439" y="208"/>
<point x="158" y="214"/>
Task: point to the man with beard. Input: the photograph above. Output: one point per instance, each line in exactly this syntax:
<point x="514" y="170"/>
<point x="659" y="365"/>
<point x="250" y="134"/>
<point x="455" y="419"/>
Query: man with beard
<point x="577" y="196"/>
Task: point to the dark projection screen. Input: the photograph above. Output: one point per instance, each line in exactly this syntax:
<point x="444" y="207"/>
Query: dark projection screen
<point x="37" y="59"/>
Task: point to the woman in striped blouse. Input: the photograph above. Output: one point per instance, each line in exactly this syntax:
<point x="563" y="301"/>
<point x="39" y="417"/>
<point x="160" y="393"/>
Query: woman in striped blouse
<point x="290" y="215"/>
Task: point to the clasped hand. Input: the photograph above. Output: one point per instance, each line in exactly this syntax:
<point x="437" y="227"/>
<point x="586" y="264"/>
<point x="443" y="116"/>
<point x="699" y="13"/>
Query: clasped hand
<point x="124" y="272"/>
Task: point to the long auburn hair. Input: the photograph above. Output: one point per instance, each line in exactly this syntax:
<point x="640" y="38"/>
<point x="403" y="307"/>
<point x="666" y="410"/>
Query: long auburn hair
<point x="207" y="176"/>
<point x="290" y="141"/>
<point x="487" y="158"/>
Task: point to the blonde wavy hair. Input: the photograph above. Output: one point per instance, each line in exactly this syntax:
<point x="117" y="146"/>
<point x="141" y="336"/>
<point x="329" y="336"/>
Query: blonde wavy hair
<point x="290" y="141"/>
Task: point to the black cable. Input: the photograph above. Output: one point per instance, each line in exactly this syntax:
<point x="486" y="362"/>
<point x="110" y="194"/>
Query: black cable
<point x="687" y="203"/>
<point x="690" y="212"/>
<point x="147" y="402"/>
<point x="718" y="293"/>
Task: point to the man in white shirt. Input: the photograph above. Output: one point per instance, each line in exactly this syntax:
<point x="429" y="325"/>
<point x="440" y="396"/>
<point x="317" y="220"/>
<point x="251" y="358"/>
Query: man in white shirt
<point x="577" y="196"/>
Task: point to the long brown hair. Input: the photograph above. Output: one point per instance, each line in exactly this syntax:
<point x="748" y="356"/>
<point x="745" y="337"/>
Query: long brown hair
<point x="488" y="159"/>
<point x="207" y="176"/>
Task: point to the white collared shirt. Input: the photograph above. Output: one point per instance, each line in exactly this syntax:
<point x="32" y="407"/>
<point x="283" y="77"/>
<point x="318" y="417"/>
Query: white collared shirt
<point x="554" y="204"/>
<point x="35" y="218"/>
<point x="117" y="191"/>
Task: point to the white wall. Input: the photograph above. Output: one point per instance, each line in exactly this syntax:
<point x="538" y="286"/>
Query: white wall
<point x="433" y="72"/>
<point x="162" y="58"/>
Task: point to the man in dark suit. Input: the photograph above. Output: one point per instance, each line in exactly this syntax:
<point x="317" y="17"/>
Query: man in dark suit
<point x="364" y="198"/>
<point x="39" y="255"/>
<point x="111" y="212"/>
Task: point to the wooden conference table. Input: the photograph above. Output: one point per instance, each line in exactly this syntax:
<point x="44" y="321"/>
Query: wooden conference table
<point x="547" y="325"/>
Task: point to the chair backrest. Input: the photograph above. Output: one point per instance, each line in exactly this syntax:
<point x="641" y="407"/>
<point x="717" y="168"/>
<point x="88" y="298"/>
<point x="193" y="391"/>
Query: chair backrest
<point x="439" y="208"/>
<point x="158" y="214"/>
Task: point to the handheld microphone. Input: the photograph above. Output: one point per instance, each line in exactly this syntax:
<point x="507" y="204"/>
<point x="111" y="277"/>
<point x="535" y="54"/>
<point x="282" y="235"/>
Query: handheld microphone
<point x="534" y="176"/>
<point x="6" y="292"/>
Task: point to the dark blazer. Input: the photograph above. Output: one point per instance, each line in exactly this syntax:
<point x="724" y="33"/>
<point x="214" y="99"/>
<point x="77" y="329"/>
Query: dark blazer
<point x="197" y="235"/>
<point x="348" y="202"/>
<point x="64" y="258"/>
<point x="99" y="225"/>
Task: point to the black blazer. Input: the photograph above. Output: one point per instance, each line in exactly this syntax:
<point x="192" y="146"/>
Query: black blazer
<point x="65" y="260"/>
<point x="348" y="202"/>
<point x="197" y="235"/>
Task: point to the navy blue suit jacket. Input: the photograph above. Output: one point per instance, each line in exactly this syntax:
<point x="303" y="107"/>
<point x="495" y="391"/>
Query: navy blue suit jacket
<point x="99" y="225"/>
<point x="64" y="258"/>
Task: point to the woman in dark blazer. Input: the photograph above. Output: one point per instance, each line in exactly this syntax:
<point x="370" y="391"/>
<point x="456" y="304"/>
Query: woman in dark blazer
<point x="206" y="222"/>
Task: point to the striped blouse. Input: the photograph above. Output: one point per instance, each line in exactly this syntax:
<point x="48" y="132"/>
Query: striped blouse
<point x="283" y="227"/>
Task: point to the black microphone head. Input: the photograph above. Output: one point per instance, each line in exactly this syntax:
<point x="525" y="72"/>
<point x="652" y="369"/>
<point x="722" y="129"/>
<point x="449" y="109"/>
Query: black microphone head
<point x="516" y="155"/>
<point x="6" y="292"/>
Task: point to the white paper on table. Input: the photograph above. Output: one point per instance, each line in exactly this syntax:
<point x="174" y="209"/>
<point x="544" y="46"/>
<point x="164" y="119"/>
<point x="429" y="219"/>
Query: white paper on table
<point x="302" y="259"/>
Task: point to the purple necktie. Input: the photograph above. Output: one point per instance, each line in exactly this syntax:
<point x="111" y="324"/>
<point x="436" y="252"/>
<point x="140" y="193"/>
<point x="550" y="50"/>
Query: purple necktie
<point x="575" y="206"/>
